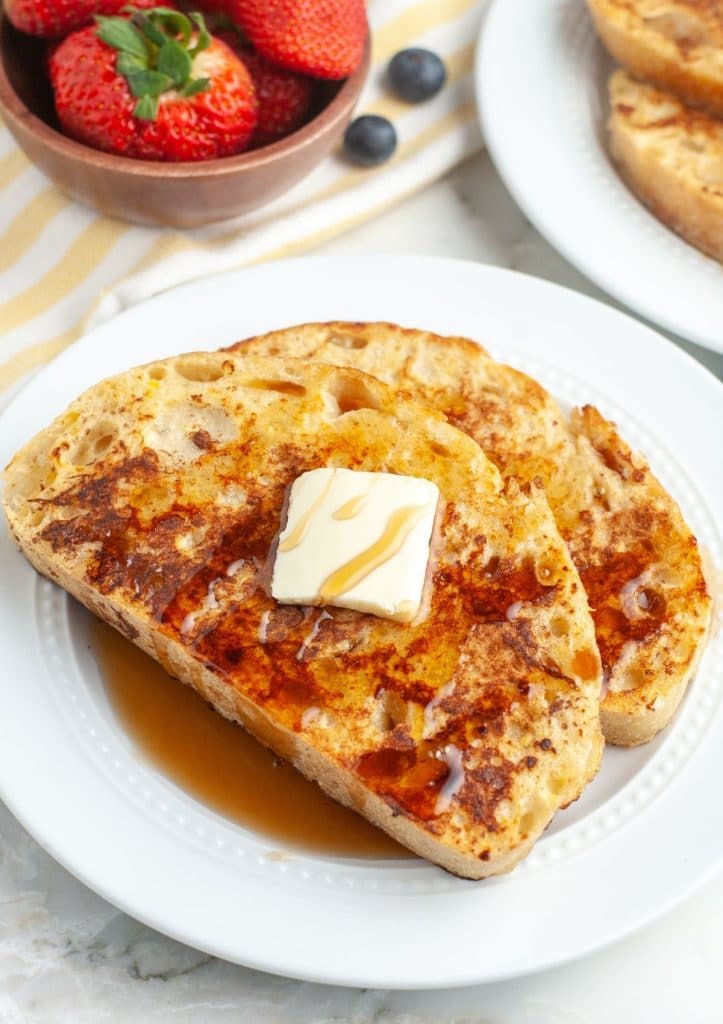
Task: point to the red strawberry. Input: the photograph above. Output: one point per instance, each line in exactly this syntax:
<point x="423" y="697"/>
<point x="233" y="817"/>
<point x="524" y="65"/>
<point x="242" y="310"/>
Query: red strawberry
<point x="322" y="38"/>
<point x="213" y="7"/>
<point x="284" y="99"/>
<point x="284" y="96"/>
<point x="157" y="87"/>
<point x="51" y="18"/>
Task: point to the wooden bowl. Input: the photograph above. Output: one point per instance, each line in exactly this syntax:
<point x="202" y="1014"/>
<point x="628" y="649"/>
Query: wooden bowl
<point x="183" y="195"/>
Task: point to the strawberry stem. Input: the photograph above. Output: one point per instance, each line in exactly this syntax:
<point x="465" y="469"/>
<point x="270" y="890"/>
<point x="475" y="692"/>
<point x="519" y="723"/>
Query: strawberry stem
<point x="156" y="49"/>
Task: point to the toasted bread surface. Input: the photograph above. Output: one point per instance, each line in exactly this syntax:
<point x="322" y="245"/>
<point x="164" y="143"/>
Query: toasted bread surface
<point x="672" y="158"/>
<point x="676" y="44"/>
<point x="637" y="558"/>
<point x="157" y="499"/>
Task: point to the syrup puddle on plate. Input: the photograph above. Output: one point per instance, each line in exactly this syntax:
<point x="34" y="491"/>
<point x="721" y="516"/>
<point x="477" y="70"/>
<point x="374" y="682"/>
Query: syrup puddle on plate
<point x="223" y="766"/>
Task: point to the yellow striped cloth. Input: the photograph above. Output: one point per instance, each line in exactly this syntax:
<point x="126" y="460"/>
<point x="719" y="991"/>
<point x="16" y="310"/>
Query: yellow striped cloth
<point x="64" y="267"/>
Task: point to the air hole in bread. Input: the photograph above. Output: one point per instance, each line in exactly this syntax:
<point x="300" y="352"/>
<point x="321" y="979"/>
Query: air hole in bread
<point x="80" y="456"/>
<point x="391" y="711"/>
<point x="546" y="573"/>
<point x="199" y="368"/>
<point x="95" y="444"/>
<point x="157" y="372"/>
<point x="629" y="679"/>
<point x="283" y="387"/>
<point x="557" y="784"/>
<point x="347" y="394"/>
<point x="440" y="449"/>
<point x="102" y="444"/>
<point x="527" y="823"/>
<point x="533" y="820"/>
<point x="559" y="626"/>
<point x="36" y="517"/>
<point x="42" y="513"/>
<point x="348" y="341"/>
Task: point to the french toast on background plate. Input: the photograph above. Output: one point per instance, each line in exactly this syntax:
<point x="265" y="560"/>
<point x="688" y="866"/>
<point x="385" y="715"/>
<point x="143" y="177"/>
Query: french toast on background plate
<point x="676" y="44"/>
<point x="671" y="156"/>
<point x="666" y="104"/>
<point x="637" y="559"/>
<point x="158" y="499"/>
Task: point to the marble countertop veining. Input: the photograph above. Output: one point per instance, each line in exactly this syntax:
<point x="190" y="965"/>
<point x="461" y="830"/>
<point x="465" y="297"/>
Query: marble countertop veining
<point x="66" y="955"/>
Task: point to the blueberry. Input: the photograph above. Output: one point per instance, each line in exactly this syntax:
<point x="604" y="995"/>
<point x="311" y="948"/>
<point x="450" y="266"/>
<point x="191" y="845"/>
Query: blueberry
<point x="416" y="74"/>
<point x="370" y="140"/>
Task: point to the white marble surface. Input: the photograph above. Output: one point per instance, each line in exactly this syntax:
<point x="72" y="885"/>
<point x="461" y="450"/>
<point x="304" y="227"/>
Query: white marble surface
<point x="68" y="956"/>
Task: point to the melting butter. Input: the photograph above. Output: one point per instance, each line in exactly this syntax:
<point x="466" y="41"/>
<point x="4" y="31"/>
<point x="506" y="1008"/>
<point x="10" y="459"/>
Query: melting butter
<point x="400" y="525"/>
<point x="356" y="540"/>
<point x="301" y="527"/>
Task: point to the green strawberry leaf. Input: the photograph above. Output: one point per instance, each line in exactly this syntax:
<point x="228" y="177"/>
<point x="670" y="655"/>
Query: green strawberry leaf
<point x="127" y="64"/>
<point x="149" y="83"/>
<point x="173" y="23"/>
<point x="146" y="108"/>
<point x="122" y="35"/>
<point x="174" y="61"/>
<point x="203" y="41"/>
<point x="149" y="28"/>
<point x="195" y="86"/>
<point x="155" y="53"/>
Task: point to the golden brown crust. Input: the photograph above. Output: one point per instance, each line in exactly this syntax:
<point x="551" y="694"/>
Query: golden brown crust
<point x="635" y="553"/>
<point x="672" y="158"/>
<point x="642" y="572"/>
<point x="675" y="44"/>
<point x="157" y="498"/>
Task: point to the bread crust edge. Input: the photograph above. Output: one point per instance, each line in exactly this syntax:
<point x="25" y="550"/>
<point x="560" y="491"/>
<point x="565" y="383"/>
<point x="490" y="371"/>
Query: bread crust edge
<point x="336" y="782"/>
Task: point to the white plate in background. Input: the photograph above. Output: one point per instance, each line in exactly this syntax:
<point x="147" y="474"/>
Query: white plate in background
<point x="541" y="81"/>
<point x="641" y="837"/>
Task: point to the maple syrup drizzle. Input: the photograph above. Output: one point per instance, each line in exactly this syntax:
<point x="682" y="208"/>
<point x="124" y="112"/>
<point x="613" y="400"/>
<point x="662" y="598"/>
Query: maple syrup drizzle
<point x="400" y="525"/>
<point x="350" y="508"/>
<point x="299" y="531"/>
<point x="220" y="764"/>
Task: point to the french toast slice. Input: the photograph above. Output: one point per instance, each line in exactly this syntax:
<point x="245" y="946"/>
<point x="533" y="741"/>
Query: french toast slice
<point x="671" y="156"/>
<point x="675" y="44"/>
<point x="157" y="499"/>
<point x="636" y="556"/>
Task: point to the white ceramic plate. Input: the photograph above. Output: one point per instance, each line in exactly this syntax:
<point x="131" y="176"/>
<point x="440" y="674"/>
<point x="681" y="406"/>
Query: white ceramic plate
<point x="542" y="94"/>
<point x="641" y="837"/>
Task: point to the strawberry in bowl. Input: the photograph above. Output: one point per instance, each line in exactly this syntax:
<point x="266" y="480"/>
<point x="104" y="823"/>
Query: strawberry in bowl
<point x="155" y="86"/>
<point x="148" y="115"/>
<point x="285" y="98"/>
<point x="322" y="38"/>
<point x="50" y="19"/>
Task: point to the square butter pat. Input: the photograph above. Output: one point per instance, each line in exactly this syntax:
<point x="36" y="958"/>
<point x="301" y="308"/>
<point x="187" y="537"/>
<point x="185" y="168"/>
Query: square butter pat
<point x="356" y="540"/>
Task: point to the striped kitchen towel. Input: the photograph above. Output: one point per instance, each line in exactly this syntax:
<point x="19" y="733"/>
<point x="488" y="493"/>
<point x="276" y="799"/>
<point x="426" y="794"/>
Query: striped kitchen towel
<point x="64" y="268"/>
